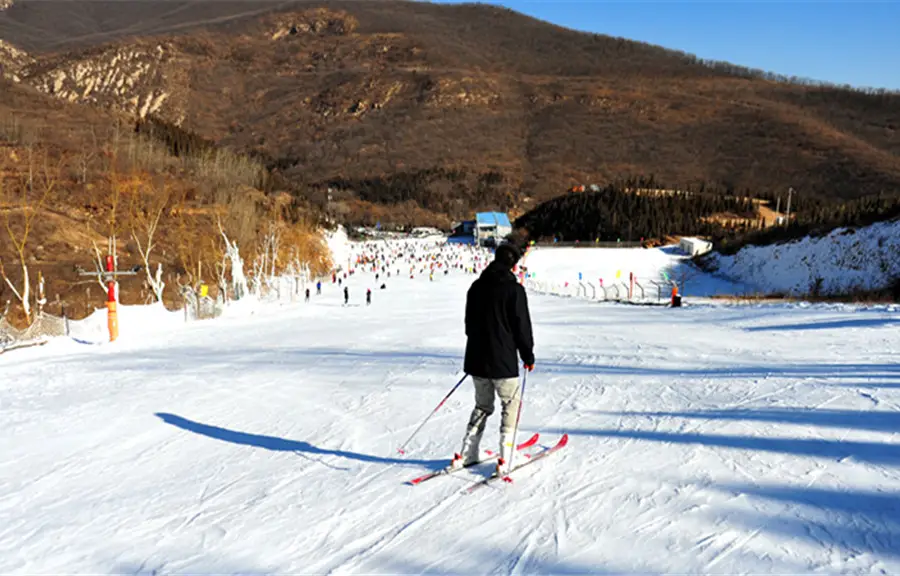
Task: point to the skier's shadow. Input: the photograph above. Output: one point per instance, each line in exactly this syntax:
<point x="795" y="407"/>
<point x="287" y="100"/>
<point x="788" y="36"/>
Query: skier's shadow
<point x="284" y="445"/>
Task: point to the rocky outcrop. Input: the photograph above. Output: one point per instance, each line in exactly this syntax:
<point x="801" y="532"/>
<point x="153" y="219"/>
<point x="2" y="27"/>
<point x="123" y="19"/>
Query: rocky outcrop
<point x="12" y="60"/>
<point x="134" y="78"/>
<point x="410" y="86"/>
<point x="464" y="91"/>
<point x="316" y="22"/>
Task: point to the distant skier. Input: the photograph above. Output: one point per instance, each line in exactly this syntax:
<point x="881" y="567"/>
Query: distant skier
<point x="498" y="324"/>
<point x="346" y="295"/>
<point x="319" y="288"/>
<point x="307" y="294"/>
<point x="368" y="296"/>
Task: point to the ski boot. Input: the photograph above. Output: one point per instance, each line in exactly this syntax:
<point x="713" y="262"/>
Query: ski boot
<point x="506" y="453"/>
<point x="470" y="452"/>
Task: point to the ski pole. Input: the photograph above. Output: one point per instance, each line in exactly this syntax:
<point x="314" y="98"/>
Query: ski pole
<point x="401" y="449"/>
<point x="518" y="416"/>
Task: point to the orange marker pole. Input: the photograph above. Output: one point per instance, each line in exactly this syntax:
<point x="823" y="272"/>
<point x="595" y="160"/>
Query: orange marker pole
<point x="112" y="313"/>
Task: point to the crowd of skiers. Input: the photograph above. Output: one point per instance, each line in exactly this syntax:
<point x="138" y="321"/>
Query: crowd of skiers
<point x="381" y="261"/>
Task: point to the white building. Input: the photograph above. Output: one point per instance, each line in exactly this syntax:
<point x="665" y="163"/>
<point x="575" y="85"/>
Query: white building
<point x="694" y="246"/>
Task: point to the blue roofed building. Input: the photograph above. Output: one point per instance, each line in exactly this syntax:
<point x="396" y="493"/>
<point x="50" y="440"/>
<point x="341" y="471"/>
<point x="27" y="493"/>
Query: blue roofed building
<point x="491" y="228"/>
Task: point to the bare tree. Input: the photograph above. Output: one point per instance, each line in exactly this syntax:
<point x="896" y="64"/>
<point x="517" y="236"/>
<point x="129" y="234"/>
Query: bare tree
<point x="105" y="202"/>
<point x="238" y="278"/>
<point x="147" y="209"/>
<point x="101" y="266"/>
<point x="27" y="197"/>
<point x="265" y="266"/>
<point x="88" y="153"/>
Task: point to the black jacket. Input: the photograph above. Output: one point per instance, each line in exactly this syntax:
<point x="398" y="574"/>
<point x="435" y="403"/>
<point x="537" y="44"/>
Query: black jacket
<point x="497" y="325"/>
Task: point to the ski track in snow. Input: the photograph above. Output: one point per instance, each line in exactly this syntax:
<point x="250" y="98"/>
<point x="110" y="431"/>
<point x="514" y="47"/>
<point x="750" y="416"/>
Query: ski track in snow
<point x="712" y="439"/>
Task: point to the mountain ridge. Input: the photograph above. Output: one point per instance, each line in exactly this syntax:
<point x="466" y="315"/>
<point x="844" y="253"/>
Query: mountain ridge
<point x="397" y="95"/>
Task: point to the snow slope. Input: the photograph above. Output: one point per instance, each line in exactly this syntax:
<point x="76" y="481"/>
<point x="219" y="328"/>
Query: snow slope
<point x="339" y="245"/>
<point x="711" y="439"/>
<point x="845" y="260"/>
<point x="556" y="271"/>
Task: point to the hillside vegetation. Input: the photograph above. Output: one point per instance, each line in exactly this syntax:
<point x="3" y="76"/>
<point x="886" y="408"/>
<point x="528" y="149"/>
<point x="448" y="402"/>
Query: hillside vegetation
<point x="644" y="210"/>
<point x="70" y="177"/>
<point x="265" y="120"/>
<point x="418" y="113"/>
<point x="632" y="211"/>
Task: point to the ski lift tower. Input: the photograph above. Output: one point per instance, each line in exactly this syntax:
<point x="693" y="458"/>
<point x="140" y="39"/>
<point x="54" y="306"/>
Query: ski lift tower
<point x="109" y="276"/>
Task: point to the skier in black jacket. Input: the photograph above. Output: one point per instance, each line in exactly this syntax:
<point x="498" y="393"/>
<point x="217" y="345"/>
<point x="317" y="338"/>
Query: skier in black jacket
<point x="498" y="327"/>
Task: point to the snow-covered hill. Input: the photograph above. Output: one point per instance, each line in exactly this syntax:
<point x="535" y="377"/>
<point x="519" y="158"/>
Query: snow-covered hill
<point x="707" y="439"/>
<point x="592" y="272"/>
<point x="844" y="261"/>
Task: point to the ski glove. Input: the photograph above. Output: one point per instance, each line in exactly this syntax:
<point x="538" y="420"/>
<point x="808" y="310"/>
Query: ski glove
<point x="529" y="367"/>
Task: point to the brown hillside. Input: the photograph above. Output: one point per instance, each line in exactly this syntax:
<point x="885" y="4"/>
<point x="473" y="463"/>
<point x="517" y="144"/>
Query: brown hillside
<point x="452" y="108"/>
<point x="71" y="175"/>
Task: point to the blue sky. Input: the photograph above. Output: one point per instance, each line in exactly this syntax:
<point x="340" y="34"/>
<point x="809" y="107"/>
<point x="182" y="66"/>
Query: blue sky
<point x="852" y="42"/>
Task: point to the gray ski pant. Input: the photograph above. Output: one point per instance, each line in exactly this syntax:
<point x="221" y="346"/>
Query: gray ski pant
<point x="508" y="391"/>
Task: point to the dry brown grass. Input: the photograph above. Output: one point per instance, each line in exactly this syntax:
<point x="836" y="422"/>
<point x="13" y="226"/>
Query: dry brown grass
<point x="112" y="181"/>
<point x="417" y="113"/>
<point x="366" y="91"/>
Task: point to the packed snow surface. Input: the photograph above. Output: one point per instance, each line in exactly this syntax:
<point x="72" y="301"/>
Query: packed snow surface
<point x="568" y="271"/>
<point x="710" y="438"/>
<point x="847" y="259"/>
<point x="339" y="246"/>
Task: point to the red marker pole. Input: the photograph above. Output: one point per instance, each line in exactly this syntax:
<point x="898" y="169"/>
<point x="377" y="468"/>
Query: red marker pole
<point x="112" y="313"/>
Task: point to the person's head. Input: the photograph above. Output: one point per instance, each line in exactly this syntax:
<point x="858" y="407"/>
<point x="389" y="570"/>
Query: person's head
<point x="507" y="256"/>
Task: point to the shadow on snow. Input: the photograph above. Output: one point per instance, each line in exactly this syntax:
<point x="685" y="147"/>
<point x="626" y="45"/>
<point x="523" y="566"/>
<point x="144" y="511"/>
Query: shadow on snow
<point x="832" y="325"/>
<point x="872" y="452"/>
<point x="285" y="445"/>
<point x="824" y="371"/>
<point x="288" y="358"/>
<point x="855" y="520"/>
<point x="876" y="421"/>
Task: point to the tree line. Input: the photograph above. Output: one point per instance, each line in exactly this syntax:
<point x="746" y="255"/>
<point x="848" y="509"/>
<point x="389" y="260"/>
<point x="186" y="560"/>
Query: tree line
<point x="642" y="209"/>
<point x="452" y="192"/>
<point x="634" y="210"/>
<point x="816" y="218"/>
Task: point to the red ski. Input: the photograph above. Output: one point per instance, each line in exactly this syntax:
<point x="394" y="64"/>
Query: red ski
<point x="534" y="458"/>
<point x="491" y="456"/>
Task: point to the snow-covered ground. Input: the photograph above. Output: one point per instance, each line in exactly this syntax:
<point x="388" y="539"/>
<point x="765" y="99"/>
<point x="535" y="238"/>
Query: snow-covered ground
<point x="845" y="260"/>
<point x="556" y="271"/>
<point x="710" y="439"/>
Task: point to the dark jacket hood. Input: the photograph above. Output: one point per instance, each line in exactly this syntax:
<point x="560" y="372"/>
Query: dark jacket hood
<point x="497" y="272"/>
